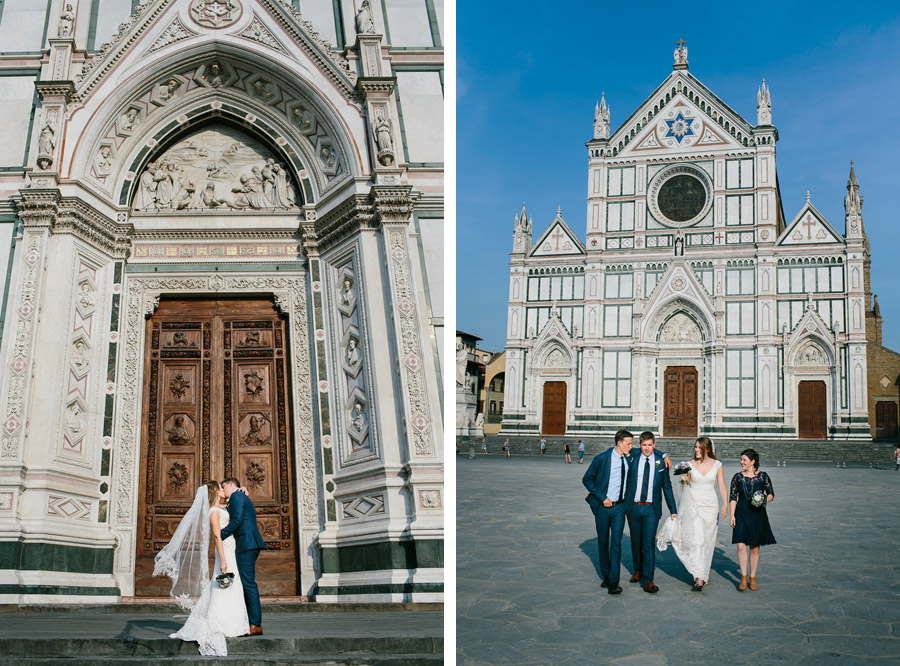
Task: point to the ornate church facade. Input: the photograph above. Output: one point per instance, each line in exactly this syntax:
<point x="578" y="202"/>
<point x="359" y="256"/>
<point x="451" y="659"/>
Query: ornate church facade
<point x="695" y="306"/>
<point x="224" y="229"/>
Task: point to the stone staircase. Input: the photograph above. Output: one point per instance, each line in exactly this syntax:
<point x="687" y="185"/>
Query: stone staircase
<point x="770" y="452"/>
<point x="304" y="634"/>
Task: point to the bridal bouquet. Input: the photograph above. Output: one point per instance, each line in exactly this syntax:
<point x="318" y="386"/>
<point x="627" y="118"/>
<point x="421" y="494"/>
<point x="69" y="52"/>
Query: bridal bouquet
<point x="682" y="468"/>
<point x="225" y="580"/>
<point x="758" y="499"/>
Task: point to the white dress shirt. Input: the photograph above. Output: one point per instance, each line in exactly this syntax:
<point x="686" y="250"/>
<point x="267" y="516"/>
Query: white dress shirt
<point x="616" y="482"/>
<point x="643" y="460"/>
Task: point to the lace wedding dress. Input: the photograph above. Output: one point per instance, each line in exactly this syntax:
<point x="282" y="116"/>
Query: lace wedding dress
<point x="220" y="612"/>
<point x="694" y="535"/>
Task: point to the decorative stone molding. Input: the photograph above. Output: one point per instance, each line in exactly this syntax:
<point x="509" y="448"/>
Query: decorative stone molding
<point x="142" y="295"/>
<point x="80" y="220"/>
<point x="175" y="32"/>
<point x="257" y="32"/>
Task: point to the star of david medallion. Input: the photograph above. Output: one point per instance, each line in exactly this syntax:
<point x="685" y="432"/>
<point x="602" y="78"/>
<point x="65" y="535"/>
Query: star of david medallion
<point x="680" y="127"/>
<point x="215" y="13"/>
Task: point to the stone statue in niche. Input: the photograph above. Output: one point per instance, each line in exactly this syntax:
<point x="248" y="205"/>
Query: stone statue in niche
<point x="255" y="435"/>
<point x="168" y="89"/>
<point x="347" y="292"/>
<point x="352" y="352"/>
<point x="383" y="138"/>
<point x="236" y="172"/>
<point x="85" y="295"/>
<point x="79" y="355"/>
<point x="214" y="75"/>
<point x="66" y="22"/>
<point x="178" y="434"/>
<point x="365" y="25"/>
<point x="462" y="358"/>
<point x="129" y="120"/>
<point x="357" y="418"/>
<point x="47" y="141"/>
<point x="73" y="418"/>
<point x="104" y="158"/>
<point x="304" y="119"/>
<point x="328" y="156"/>
<point x="265" y="89"/>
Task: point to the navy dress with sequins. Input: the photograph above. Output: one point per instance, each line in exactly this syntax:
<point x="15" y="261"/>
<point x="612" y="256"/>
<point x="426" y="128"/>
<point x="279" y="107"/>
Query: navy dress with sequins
<point x="751" y="524"/>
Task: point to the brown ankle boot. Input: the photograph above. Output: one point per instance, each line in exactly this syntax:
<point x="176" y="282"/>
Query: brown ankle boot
<point x="753" y="585"/>
<point x="743" y="585"/>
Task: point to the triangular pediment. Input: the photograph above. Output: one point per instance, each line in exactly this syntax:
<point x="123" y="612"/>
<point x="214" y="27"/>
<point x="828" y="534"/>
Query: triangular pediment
<point x="810" y="335"/>
<point x="682" y="114"/>
<point x="809" y="227"/>
<point x="260" y="24"/>
<point x="677" y="284"/>
<point x="557" y="240"/>
<point x="553" y="335"/>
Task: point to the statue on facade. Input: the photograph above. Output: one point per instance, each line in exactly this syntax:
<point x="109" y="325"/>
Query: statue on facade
<point x="66" y="25"/>
<point x="47" y="141"/>
<point x="365" y="24"/>
<point x="129" y="120"/>
<point x="347" y="292"/>
<point x="352" y="352"/>
<point x="681" y="53"/>
<point x="462" y="358"/>
<point x="383" y="139"/>
<point x="357" y="418"/>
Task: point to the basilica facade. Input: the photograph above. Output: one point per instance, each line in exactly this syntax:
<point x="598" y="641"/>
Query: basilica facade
<point x="222" y="228"/>
<point x="695" y="306"/>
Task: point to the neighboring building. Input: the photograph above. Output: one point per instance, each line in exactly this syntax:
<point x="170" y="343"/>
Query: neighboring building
<point x="883" y="376"/>
<point x="224" y="238"/>
<point x="469" y="380"/>
<point x="494" y="378"/>
<point x="695" y="306"/>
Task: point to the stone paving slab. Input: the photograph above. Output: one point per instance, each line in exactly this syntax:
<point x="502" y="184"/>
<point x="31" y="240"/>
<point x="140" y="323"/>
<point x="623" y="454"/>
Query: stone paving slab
<point x="528" y="587"/>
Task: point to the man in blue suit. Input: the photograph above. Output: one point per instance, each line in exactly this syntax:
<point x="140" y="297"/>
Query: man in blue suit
<point x="606" y="480"/>
<point x="248" y="543"/>
<point x="648" y="480"/>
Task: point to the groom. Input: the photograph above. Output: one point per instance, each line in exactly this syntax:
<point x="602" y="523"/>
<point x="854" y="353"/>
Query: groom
<point x="248" y="543"/>
<point x="648" y="480"/>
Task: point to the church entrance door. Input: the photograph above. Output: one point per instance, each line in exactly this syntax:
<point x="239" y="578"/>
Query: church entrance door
<point x="886" y="420"/>
<point x="216" y="405"/>
<point x="554" y="421"/>
<point x="812" y="417"/>
<point x="680" y="416"/>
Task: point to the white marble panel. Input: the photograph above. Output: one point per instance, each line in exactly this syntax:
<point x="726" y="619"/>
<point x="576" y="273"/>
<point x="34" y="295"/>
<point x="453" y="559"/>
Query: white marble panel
<point x="6" y="231"/>
<point x="110" y="14"/>
<point x="439" y="10"/>
<point x="422" y="100"/>
<point x="321" y="14"/>
<point x="408" y="23"/>
<point x="22" y="25"/>
<point x="432" y="234"/>
<point x="17" y="93"/>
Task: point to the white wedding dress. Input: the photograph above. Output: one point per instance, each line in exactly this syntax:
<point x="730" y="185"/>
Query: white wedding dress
<point x="220" y="612"/>
<point x="697" y="524"/>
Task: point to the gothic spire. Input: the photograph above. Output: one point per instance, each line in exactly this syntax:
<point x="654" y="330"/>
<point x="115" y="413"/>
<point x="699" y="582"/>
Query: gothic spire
<point x="763" y="105"/>
<point x="853" y="205"/>
<point x="601" y="119"/>
<point x="522" y="232"/>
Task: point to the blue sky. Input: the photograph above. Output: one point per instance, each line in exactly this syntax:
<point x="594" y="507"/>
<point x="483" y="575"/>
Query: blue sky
<point x="528" y="75"/>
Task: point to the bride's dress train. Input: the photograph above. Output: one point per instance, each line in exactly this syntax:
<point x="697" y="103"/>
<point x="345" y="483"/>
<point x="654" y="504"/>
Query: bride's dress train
<point x="220" y="612"/>
<point x="693" y="537"/>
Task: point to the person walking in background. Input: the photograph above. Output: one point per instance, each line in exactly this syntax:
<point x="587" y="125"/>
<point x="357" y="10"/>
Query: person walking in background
<point x="567" y="452"/>
<point x="751" y="491"/>
<point x="543" y="445"/>
<point x="897" y="458"/>
<point x="484" y="447"/>
<point x="506" y="447"/>
<point x="580" y="452"/>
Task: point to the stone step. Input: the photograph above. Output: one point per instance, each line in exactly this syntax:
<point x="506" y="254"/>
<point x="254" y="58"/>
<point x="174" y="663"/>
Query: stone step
<point x="238" y="660"/>
<point x="165" y="605"/>
<point x="857" y="452"/>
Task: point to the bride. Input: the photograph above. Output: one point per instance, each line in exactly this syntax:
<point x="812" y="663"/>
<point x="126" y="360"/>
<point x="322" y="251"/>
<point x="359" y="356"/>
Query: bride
<point x="216" y="612"/>
<point x="694" y="535"/>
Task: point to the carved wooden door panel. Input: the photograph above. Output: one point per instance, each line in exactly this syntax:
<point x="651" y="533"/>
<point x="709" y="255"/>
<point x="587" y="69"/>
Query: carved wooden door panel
<point x="554" y="421"/>
<point x="886" y="420"/>
<point x="812" y="410"/>
<point x="216" y="405"/>
<point x="680" y="408"/>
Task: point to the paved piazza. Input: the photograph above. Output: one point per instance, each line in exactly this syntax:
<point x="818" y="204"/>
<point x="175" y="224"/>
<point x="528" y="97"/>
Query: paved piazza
<point x="528" y="588"/>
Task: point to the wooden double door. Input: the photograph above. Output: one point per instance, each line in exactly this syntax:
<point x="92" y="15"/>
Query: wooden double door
<point x="886" y="420"/>
<point x="216" y="405"/>
<point x="812" y="411"/>
<point x="554" y="413"/>
<point x="680" y="402"/>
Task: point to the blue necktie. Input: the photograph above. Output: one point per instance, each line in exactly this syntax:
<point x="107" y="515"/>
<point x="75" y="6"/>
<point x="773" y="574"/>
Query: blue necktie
<point x="622" y="479"/>
<point x="645" y="483"/>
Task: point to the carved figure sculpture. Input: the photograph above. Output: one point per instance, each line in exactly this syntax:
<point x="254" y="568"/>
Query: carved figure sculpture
<point x="357" y="418"/>
<point x="178" y="434"/>
<point x="104" y="158"/>
<point x="347" y="292"/>
<point x="365" y="25"/>
<point x="213" y="75"/>
<point x="328" y="156"/>
<point x="168" y="89"/>
<point x="79" y="355"/>
<point x="303" y="118"/>
<point x="254" y="436"/>
<point x="265" y="89"/>
<point x="129" y="120"/>
<point x="66" y="22"/>
<point x="73" y="418"/>
<point x="352" y="352"/>
<point x="462" y="358"/>
<point x="47" y="142"/>
<point x="383" y="138"/>
<point x="85" y="295"/>
<point x="145" y="199"/>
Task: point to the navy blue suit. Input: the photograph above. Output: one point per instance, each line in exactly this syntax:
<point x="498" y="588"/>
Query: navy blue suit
<point x="609" y="521"/>
<point x="643" y="519"/>
<point x="248" y="543"/>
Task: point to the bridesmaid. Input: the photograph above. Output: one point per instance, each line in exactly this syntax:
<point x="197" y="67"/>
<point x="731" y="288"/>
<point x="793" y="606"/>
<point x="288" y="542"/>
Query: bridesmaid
<point x="750" y="523"/>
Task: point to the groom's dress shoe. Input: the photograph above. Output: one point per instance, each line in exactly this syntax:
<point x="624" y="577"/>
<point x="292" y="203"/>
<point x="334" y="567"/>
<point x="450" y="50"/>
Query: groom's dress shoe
<point x="255" y="630"/>
<point x="650" y="587"/>
<point x="636" y="578"/>
<point x="614" y="588"/>
<point x="605" y="583"/>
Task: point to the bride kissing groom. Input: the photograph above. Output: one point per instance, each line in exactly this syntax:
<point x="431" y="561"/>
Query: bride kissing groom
<point x="228" y="604"/>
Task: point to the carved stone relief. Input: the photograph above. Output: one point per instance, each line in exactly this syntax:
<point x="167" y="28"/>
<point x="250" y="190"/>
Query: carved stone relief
<point x="812" y="354"/>
<point x="257" y="32"/>
<point x="215" y="13"/>
<point x="556" y="359"/>
<point x="180" y="430"/>
<point x="384" y="140"/>
<point x="255" y="430"/>
<point x="680" y="329"/>
<point x="216" y="168"/>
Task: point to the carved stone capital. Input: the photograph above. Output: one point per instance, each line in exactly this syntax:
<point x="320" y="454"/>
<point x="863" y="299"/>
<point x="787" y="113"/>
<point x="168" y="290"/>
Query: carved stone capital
<point x="61" y="89"/>
<point x="79" y="219"/>
<point x="392" y="204"/>
<point x="354" y="214"/>
<point x="38" y="208"/>
<point x="376" y="86"/>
